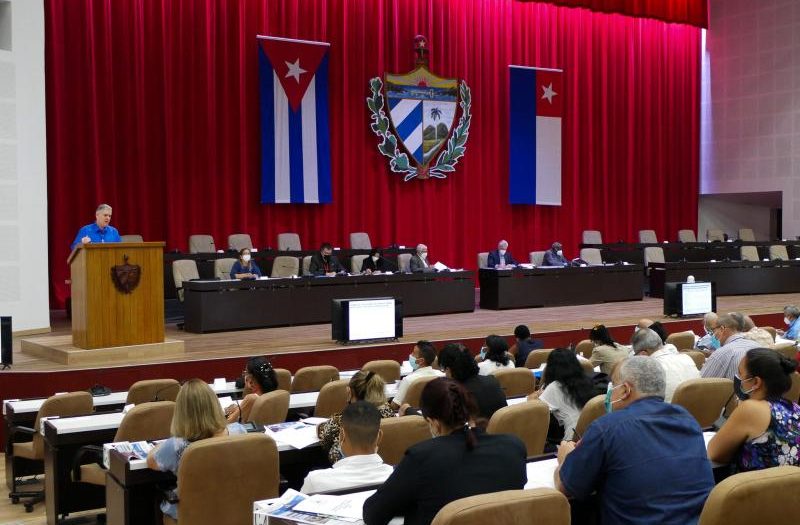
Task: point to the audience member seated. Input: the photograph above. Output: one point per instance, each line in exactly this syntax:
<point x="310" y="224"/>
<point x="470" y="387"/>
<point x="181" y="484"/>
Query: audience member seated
<point x="494" y="356"/>
<point x="791" y="314"/>
<point x="555" y="256"/>
<point x="501" y="256"/>
<point x="458" y="462"/>
<point x="525" y="345"/>
<point x="360" y="464"/>
<point x="724" y="362"/>
<point x="245" y="267"/>
<point x="655" y="326"/>
<point x="646" y="460"/>
<point x="764" y="430"/>
<point x="457" y="363"/>
<point x="259" y="378"/>
<point x="565" y="389"/>
<point x="606" y="352"/>
<point x="754" y="333"/>
<point x="375" y="263"/>
<point x="197" y="416"/>
<point x="363" y="386"/>
<point x="678" y="367"/>
<point x="419" y="261"/>
<point x="324" y="262"/>
<point x="709" y="342"/>
<point x="421" y="359"/>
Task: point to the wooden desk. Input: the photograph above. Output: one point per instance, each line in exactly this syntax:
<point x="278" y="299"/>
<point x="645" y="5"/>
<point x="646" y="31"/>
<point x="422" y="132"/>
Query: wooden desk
<point x="235" y="305"/>
<point x="546" y="286"/>
<point x="731" y="278"/>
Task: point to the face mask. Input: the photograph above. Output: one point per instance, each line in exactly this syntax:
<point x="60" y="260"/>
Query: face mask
<point x="502" y="252"/>
<point x="608" y="403"/>
<point x="375" y="258"/>
<point x="560" y="253"/>
<point x="423" y="255"/>
<point x="413" y="362"/>
<point x="483" y="352"/>
<point x="743" y="395"/>
<point x="246" y="257"/>
<point x="715" y="343"/>
<point x="787" y="321"/>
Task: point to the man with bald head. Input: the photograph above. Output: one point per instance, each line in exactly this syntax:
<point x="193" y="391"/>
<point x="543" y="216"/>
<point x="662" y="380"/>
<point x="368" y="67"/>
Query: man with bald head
<point x="501" y="257"/>
<point x="99" y="231"/>
<point x="724" y="362"/>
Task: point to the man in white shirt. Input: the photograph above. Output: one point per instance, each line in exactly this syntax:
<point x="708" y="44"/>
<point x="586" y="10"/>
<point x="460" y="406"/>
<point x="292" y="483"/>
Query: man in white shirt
<point x="360" y="464"/>
<point x="677" y="367"/>
<point x="421" y="359"/>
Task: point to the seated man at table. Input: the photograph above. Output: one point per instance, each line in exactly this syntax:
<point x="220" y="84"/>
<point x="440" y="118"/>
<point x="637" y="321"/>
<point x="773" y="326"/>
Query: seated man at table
<point x="708" y="343"/>
<point x="99" y="231"/>
<point x="646" y="460"/>
<point x="422" y="357"/>
<point x="678" y="367"/>
<point x="791" y="314"/>
<point x="524" y="346"/>
<point x="555" y="256"/>
<point x="724" y="362"/>
<point x="419" y="261"/>
<point x="501" y="256"/>
<point x="360" y="465"/>
<point x="324" y="262"/>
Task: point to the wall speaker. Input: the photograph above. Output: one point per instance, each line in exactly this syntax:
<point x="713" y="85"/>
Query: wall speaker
<point x="6" y="356"/>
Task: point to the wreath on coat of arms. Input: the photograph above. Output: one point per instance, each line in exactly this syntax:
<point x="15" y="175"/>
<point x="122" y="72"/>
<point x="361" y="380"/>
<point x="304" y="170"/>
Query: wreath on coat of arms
<point x="421" y="120"/>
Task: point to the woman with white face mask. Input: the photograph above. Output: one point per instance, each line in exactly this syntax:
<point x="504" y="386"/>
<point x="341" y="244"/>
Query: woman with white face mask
<point x="245" y="267"/>
<point x="375" y="263"/>
<point x="460" y="461"/>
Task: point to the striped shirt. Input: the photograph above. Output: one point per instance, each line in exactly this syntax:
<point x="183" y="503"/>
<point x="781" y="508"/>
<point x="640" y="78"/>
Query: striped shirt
<point x="724" y="362"/>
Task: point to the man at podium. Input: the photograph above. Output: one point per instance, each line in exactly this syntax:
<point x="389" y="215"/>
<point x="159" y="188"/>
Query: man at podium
<point x="99" y="231"/>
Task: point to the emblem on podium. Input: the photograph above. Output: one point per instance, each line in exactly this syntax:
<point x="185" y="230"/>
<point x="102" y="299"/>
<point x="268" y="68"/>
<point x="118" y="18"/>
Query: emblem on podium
<point x="419" y="134"/>
<point x="126" y="276"/>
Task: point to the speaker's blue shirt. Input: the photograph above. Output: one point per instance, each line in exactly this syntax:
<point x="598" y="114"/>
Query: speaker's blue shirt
<point x="647" y="462"/>
<point x="96" y="234"/>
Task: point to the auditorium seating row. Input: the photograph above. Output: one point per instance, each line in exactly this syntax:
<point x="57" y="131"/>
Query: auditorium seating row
<point x="650" y="237"/>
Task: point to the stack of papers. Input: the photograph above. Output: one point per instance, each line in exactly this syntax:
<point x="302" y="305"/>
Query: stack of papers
<point x="320" y="509"/>
<point x="295" y="434"/>
<point x="135" y="450"/>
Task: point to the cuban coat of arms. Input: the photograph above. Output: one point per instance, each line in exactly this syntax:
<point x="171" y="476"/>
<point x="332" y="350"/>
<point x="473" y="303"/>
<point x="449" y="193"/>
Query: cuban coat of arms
<point x="419" y="134"/>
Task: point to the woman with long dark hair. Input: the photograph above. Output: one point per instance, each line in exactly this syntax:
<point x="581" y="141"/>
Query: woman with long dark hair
<point x="496" y="356"/>
<point x="565" y="388"/>
<point x="606" y="352"/>
<point x="460" y="461"/>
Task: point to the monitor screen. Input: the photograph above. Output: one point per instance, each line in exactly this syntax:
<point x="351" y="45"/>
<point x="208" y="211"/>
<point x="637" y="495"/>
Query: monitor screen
<point x="696" y="298"/>
<point x="371" y="319"/>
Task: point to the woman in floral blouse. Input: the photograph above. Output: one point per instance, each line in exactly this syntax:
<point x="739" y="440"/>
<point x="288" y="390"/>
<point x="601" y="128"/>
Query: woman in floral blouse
<point x="764" y="430"/>
<point x="364" y="386"/>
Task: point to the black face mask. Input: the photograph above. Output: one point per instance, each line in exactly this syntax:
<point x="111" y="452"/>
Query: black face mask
<point x="737" y="388"/>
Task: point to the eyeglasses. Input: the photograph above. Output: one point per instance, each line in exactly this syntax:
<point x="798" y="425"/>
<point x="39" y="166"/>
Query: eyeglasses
<point x="743" y="378"/>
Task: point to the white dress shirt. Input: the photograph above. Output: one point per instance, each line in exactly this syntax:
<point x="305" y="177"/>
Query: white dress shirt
<point x="487" y="367"/>
<point x="677" y="369"/>
<point x="353" y="471"/>
<point x="402" y="388"/>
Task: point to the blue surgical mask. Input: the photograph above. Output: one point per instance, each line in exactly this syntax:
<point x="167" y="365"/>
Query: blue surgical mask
<point x="715" y="343"/>
<point x="608" y="403"/>
<point x="413" y="362"/>
<point x="483" y="352"/>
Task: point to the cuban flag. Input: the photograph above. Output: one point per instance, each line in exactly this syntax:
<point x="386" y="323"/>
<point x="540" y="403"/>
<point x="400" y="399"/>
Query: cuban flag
<point x="537" y="109"/>
<point x="295" y="143"/>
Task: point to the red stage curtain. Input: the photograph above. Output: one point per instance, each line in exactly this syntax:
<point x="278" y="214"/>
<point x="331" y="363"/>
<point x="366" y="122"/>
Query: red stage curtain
<point x="152" y="106"/>
<point x="694" y="12"/>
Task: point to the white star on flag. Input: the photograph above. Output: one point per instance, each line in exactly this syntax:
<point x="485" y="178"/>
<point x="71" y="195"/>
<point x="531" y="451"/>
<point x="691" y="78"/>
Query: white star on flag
<point x="294" y="70"/>
<point x="549" y="93"/>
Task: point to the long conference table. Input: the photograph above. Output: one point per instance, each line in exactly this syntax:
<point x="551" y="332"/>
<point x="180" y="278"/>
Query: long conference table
<point x="689" y="251"/>
<point x="731" y="278"/>
<point x="556" y="286"/>
<point x="234" y="304"/>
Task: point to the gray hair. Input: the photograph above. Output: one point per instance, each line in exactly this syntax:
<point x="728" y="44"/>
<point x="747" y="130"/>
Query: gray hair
<point x="645" y="374"/>
<point x="646" y="339"/>
<point x="729" y="321"/>
<point x="792" y="311"/>
<point x="502" y="243"/>
<point x="709" y="318"/>
<point x="102" y="207"/>
<point x="421" y="247"/>
<point x="739" y="318"/>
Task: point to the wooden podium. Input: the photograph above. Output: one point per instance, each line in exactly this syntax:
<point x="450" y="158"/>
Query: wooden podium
<point x="104" y="313"/>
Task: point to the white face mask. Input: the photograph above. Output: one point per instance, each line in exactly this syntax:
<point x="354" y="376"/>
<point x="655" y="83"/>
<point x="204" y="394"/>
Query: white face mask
<point x="375" y="258"/>
<point x="423" y="255"/>
<point x="560" y="253"/>
<point x="246" y="257"/>
<point x="787" y="320"/>
<point x="502" y="252"/>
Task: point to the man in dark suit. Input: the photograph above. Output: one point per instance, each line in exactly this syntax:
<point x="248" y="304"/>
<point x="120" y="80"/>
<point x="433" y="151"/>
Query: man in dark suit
<point x="501" y="256"/>
<point x="555" y="256"/>
<point x="324" y="262"/>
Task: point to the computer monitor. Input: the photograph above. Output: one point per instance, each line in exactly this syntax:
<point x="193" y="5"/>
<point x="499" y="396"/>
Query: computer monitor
<point x="369" y="319"/>
<point x="686" y="299"/>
